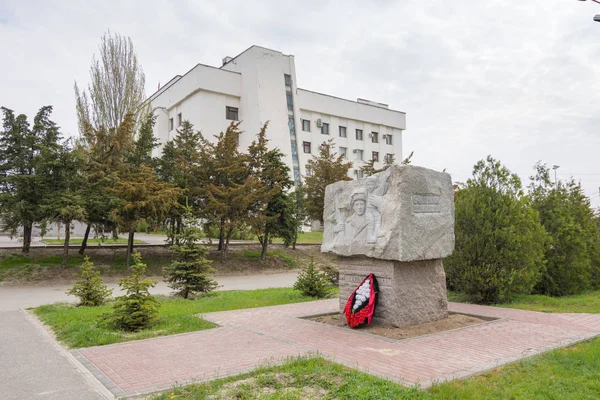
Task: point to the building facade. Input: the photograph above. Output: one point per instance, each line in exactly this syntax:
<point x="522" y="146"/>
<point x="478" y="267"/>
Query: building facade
<point x="260" y="85"/>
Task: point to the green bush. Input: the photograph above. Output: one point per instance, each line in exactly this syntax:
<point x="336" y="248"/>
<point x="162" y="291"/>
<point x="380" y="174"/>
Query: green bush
<point x="571" y="254"/>
<point x="189" y="272"/>
<point x="89" y="287"/>
<point x="137" y="309"/>
<point x="312" y="282"/>
<point x="500" y="242"/>
<point x="244" y="233"/>
<point x="332" y="273"/>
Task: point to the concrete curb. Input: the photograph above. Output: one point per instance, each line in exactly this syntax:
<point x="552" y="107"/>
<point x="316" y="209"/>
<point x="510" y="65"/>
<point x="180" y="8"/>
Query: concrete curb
<point x="50" y="338"/>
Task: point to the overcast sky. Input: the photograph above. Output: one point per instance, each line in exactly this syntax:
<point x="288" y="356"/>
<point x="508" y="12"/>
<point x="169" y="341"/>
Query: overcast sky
<point x="518" y="80"/>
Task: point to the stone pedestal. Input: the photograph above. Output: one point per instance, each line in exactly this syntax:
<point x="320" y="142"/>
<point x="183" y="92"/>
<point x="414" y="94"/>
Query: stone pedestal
<point x="410" y="293"/>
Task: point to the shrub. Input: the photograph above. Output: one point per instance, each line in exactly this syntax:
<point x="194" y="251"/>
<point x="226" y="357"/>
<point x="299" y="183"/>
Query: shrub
<point x="312" y="282"/>
<point x="499" y="239"/>
<point x="189" y="272"/>
<point x="567" y="216"/>
<point x="137" y="309"/>
<point x="89" y="287"/>
<point x="332" y="273"/>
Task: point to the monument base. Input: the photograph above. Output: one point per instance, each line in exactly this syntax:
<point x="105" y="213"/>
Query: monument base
<point x="410" y="293"/>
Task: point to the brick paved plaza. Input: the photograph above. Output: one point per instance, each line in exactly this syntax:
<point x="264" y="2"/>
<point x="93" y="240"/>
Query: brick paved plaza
<point x="247" y="338"/>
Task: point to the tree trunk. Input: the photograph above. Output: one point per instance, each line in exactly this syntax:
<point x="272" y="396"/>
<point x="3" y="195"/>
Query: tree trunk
<point x="85" y="239"/>
<point x="63" y="264"/>
<point x="173" y="230"/>
<point x="129" y="246"/>
<point x="225" y="245"/>
<point x="115" y="233"/>
<point x="27" y="228"/>
<point x="264" y="244"/>
<point x="221" y="235"/>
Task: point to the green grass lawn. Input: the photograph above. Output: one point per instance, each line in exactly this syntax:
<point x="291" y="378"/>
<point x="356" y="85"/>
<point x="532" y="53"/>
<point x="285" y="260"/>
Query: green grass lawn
<point x="255" y="255"/>
<point x="92" y="241"/>
<point x="305" y="237"/>
<point x="588" y="302"/>
<point x="78" y="326"/>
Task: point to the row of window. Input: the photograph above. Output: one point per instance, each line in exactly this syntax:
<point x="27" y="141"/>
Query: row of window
<point x="343" y="132"/>
<point x="307" y="147"/>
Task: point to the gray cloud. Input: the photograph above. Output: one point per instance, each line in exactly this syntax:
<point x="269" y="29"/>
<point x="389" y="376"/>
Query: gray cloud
<point x="514" y="79"/>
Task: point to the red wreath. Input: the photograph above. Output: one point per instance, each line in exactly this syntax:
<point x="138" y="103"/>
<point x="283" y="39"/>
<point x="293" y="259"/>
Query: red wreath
<point x="365" y="312"/>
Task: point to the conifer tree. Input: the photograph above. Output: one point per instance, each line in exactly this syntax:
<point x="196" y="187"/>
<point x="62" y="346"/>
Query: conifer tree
<point x="90" y="289"/>
<point x="294" y="216"/>
<point x="137" y="309"/>
<point x="326" y="169"/>
<point x="189" y="272"/>
<point x="179" y="165"/>
<point x="22" y="150"/>
<point x="142" y="196"/>
<point x="268" y="167"/>
<point x="228" y="190"/>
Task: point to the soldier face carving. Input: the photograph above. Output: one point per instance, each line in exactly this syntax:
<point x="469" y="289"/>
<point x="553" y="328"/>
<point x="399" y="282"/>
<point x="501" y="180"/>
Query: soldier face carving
<point x="359" y="206"/>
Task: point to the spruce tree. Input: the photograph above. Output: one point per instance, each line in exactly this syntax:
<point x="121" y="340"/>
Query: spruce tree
<point x="189" y="273"/>
<point x="90" y="289"/>
<point x="137" y="309"/>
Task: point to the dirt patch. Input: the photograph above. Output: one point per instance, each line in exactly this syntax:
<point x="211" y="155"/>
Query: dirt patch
<point x="454" y="321"/>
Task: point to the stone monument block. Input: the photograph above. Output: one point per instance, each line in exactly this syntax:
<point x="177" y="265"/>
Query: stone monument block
<point x="398" y="225"/>
<point x="410" y="293"/>
<point x="405" y="213"/>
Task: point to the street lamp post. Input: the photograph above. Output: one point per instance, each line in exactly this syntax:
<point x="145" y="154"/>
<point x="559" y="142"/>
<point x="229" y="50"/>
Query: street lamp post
<point x="597" y="16"/>
<point x="555" y="167"/>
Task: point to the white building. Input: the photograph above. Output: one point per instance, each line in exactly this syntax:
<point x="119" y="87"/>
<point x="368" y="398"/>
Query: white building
<point x="260" y="85"/>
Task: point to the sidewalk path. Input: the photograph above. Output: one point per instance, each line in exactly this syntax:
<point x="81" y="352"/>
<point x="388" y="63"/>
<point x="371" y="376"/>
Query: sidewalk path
<point x="15" y="297"/>
<point x="250" y="337"/>
<point x="34" y="368"/>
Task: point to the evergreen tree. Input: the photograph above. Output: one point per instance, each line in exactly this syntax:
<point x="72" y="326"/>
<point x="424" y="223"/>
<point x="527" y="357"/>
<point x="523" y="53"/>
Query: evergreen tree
<point x="228" y="191"/>
<point x="294" y="216"/>
<point x="103" y="151"/>
<point x="142" y="197"/>
<point x="21" y="189"/>
<point x="137" y="309"/>
<point x="326" y="169"/>
<point x="189" y="272"/>
<point x="567" y="216"/>
<point x="369" y="169"/>
<point x="179" y="165"/>
<point x="90" y="289"/>
<point x="268" y="167"/>
<point x="63" y="183"/>
<point x="141" y="154"/>
<point x="499" y="239"/>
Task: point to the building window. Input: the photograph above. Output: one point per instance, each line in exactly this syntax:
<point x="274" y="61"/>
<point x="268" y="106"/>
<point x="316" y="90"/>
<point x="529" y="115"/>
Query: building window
<point x="306" y="125"/>
<point x="359" y="173"/>
<point x="290" y="102"/>
<point x="375" y="156"/>
<point x="306" y="146"/>
<point x="359" y="154"/>
<point x="179" y="119"/>
<point x="344" y="152"/>
<point x="389" y="158"/>
<point x="374" y="137"/>
<point x="359" y="134"/>
<point x="388" y="139"/>
<point x="342" y="131"/>
<point x="170" y="124"/>
<point x="231" y="113"/>
<point x="325" y="129"/>
<point x="308" y="170"/>
<point x="288" y="80"/>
